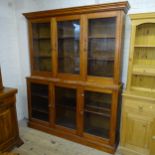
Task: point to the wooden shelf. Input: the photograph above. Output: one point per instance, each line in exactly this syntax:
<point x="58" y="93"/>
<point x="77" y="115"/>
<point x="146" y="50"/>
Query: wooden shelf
<point x="42" y="38"/>
<point x="68" y="57"/>
<point x="40" y="110"/>
<point x="144" y="46"/>
<point x="97" y="113"/>
<point x="143" y="89"/>
<point x="69" y="37"/>
<point x="102" y="59"/>
<point x="97" y="108"/>
<point x="43" y="56"/>
<point x="101" y="37"/>
<point x="40" y="95"/>
<point x="145" y="71"/>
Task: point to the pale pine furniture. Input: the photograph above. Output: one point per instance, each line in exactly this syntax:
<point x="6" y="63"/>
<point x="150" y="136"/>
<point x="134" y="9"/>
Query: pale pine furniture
<point x="138" y="113"/>
<point x="74" y="88"/>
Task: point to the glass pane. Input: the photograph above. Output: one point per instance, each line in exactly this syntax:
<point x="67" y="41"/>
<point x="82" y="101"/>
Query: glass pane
<point x="68" y="47"/>
<point x="41" y="46"/>
<point x="39" y="101"/>
<point x="66" y="107"/>
<point x="101" y="46"/>
<point x="97" y="113"/>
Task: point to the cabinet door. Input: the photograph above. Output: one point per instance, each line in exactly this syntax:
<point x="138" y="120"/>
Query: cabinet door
<point x="103" y="46"/>
<point x="68" y="46"/>
<point x="97" y="113"/>
<point x="39" y="102"/>
<point x="65" y="106"/>
<point x="136" y="130"/>
<point x="7" y="126"/>
<point x="40" y="52"/>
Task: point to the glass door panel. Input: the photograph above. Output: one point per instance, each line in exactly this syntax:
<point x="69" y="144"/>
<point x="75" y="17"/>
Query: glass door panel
<point x="97" y="111"/>
<point x="65" y="101"/>
<point x="101" y="46"/>
<point x="39" y="101"/>
<point x="41" y="46"/>
<point x="68" y="47"/>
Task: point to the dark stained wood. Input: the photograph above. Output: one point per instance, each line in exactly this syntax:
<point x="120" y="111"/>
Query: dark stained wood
<point x="123" y="6"/>
<point x="1" y="82"/>
<point x="9" y="132"/>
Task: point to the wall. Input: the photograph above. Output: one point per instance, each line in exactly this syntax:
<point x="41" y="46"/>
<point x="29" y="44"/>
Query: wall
<point x="9" y="51"/>
<point x="15" y="26"/>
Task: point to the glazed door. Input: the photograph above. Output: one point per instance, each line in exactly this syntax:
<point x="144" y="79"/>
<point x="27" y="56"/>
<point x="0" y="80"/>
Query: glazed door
<point x="68" y="40"/>
<point x="97" y="110"/>
<point x="40" y="102"/>
<point x="102" y="46"/>
<point x="65" y="107"/>
<point x="40" y="47"/>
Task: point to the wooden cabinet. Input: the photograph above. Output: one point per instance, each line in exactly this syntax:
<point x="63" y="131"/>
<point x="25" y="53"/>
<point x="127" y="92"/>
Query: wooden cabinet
<point x="9" y="135"/>
<point x="138" y="121"/>
<point x="74" y="88"/>
<point x="1" y="83"/>
<point x="138" y="117"/>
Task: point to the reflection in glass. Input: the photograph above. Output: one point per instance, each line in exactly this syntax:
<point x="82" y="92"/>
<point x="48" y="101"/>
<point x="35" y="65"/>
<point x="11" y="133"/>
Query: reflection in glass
<point x="41" y="46"/>
<point x="68" y="47"/>
<point x="101" y="46"/>
<point x="39" y="101"/>
<point x="97" y="113"/>
<point x="65" y="107"/>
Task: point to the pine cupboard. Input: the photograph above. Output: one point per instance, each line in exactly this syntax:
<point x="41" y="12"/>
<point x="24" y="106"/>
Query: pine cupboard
<point x="74" y="87"/>
<point x="138" y="119"/>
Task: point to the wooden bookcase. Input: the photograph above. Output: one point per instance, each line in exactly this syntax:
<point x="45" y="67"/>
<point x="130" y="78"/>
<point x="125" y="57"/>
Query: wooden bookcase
<point x="138" y="117"/>
<point x="74" y="87"/>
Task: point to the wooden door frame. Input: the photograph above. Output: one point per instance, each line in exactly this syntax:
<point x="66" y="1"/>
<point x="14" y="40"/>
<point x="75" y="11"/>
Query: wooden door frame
<point x="31" y="50"/>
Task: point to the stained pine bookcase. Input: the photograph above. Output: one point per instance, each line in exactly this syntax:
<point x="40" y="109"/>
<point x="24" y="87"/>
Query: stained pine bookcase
<point x="75" y="83"/>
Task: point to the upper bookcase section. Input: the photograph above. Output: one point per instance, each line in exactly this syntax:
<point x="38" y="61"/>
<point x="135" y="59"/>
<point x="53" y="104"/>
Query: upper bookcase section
<point x="124" y="6"/>
<point x="81" y="43"/>
<point x="141" y="74"/>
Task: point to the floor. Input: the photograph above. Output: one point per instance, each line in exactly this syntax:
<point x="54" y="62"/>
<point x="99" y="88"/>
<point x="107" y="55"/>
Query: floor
<point x="40" y="143"/>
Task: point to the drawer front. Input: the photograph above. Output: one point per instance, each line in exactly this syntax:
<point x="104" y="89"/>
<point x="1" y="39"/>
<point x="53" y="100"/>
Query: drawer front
<point x="139" y="106"/>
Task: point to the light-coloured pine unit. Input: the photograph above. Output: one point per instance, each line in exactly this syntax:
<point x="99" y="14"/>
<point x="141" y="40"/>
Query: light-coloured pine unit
<point x="141" y="73"/>
<point x="138" y="112"/>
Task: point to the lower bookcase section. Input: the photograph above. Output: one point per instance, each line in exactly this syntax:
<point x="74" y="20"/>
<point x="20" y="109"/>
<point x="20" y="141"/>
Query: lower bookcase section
<point x="73" y="137"/>
<point x="85" y="114"/>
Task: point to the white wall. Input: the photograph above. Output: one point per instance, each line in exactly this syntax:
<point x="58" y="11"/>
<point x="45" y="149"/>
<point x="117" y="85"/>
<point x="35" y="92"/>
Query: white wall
<point x="9" y="51"/>
<point x="14" y="38"/>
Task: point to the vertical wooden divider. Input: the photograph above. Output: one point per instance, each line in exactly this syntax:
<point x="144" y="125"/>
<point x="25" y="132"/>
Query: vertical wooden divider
<point x="80" y="111"/>
<point x="54" y="46"/>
